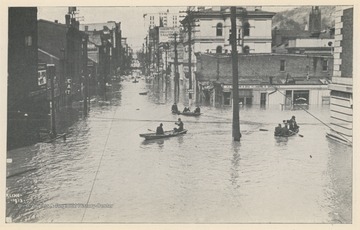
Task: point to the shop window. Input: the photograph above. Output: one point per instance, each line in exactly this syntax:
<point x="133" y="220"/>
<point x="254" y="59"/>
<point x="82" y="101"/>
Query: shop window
<point x="301" y="97"/>
<point x="219" y="50"/>
<point x="282" y="65"/>
<point x="219" y="29"/>
<point x="227" y="99"/>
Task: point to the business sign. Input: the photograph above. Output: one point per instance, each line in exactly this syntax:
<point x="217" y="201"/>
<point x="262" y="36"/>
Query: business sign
<point x="166" y="33"/>
<point x="42" y="75"/>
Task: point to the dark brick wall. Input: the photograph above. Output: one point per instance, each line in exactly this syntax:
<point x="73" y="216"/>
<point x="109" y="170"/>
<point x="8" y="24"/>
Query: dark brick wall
<point x="347" y="44"/>
<point x="22" y="58"/>
<point x="52" y="37"/>
<point x="211" y="67"/>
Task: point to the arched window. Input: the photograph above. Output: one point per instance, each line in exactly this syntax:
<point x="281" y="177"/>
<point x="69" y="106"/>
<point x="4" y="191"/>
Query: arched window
<point x="219" y="50"/>
<point x="246" y="50"/>
<point x="246" y="29"/>
<point x="219" y="29"/>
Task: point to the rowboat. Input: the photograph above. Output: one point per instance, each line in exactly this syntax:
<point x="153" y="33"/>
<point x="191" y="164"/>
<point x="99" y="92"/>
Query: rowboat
<point x="135" y="81"/>
<point x="291" y="133"/>
<point x="153" y="136"/>
<point x="143" y="93"/>
<point x="190" y="114"/>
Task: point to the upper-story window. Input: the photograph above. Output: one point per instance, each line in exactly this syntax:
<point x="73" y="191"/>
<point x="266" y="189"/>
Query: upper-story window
<point x="324" y="64"/>
<point x="28" y="41"/>
<point x="219" y="29"/>
<point x="246" y="29"/>
<point x="282" y="65"/>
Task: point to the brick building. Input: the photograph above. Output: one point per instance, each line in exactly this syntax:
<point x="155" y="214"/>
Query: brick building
<point x="22" y="76"/>
<point x="258" y="73"/>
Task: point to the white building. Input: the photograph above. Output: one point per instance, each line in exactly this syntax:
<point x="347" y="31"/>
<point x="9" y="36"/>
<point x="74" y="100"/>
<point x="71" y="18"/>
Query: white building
<point x="341" y="100"/>
<point x="211" y="29"/>
<point x="164" y="19"/>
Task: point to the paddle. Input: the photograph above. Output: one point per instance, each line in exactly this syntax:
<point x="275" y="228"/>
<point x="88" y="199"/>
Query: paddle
<point x="296" y="133"/>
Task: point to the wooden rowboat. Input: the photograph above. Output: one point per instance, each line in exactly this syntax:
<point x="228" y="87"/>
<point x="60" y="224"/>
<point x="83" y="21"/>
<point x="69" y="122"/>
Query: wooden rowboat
<point x="143" y="93"/>
<point x="190" y="114"/>
<point x="291" y="133"/>
<point x="153" y="136"/>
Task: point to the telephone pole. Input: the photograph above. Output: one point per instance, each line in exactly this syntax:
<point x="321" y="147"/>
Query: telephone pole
<point x="51" y="70"/>
<point x="235" y="84"/>
<point x="176" y="78"/>
<point x="190" y="78"/>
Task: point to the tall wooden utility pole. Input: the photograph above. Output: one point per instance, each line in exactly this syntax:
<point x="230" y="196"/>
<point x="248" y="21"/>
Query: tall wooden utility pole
<point x="176" y="78"/>
<point x="190" y="78"/>
<point x="51" y="72"/>
<point x="85" y="77"/>
<point x="235" y="84"/>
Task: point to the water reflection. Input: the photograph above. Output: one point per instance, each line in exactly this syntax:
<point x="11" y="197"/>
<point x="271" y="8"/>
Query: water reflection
<point x="235" y="164"/>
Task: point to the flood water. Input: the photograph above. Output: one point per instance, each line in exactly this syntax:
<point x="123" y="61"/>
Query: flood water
<point x="200" y="177"/>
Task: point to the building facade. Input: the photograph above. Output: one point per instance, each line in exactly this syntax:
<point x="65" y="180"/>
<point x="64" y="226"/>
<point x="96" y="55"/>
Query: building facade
<point x="23" y="83"/>
<point x="341" y="101"/>
<point x="295" y="76"/>
<point x="162" y="19"/>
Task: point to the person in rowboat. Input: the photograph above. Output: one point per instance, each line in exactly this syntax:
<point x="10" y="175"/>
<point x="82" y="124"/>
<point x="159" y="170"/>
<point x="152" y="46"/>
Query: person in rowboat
<point x="174" y="108"/>
<point x="180" y="124"/>
<point x="278" y="130"/>
<point x="293" y="124"/>
<point x="186" y="109"/>
<point x="197" y="110"/>
<point x="160" y="130"/>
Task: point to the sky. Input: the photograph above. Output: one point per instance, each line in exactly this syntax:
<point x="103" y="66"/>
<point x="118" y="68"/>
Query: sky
<point x="131" y="18"/>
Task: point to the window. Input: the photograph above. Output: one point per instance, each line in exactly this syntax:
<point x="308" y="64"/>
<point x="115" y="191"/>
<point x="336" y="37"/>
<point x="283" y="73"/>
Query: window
<point x="219" y="29"/>
<point x="282" y="65"/>
<point x="219" y="50"/>
<point x="28" y="41"/>
<point x="246" y="50"/>
<point x="246" y="29"/>
<point x="227" y="98"/>
<point x="324" y="64"/>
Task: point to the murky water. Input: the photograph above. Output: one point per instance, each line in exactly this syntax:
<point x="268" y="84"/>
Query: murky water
<point x="201" y="177"/>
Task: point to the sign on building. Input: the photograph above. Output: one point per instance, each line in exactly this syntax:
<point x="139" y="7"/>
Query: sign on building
<point x="42" y="75"/>
<point x="166" y="33"/>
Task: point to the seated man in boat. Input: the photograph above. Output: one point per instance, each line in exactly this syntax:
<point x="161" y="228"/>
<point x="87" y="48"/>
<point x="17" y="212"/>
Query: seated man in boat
<point x="180" y="124"/>
<point x="160" y="130"/>
<point x="197" y="110"/>
<point x="174" y="108"/>
<point x="278" y="130"/>
<point x="186" y="109"/>
<point x="285" y="130"/>
<point x="293" y="124"/>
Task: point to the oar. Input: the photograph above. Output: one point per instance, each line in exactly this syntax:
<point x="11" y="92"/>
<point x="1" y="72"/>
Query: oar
<point x="296" y="133"/>
<point x="151" y="130"/>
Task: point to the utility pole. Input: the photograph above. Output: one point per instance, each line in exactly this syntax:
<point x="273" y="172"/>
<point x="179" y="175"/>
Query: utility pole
<point x="235" y="84"/>
<point x="85" y="76"/>
<point x="190" y="78"/>
<point x="176" y="78"/>
<point x="51" y="70"/>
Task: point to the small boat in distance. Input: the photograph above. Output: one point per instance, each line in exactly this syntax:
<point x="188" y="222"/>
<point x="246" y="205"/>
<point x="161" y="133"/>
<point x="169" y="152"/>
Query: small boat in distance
<point x="135" y="81"/>
<point x="143" y="93"/>
<point x="153" y="136"/>
<point x="190" y="114"/>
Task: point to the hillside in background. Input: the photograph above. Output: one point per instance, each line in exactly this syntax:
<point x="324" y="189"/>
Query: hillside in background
<point x="297" y="18"/>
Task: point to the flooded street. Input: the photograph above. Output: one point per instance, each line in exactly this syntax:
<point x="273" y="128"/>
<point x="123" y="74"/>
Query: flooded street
<point x="104" y="172"/>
